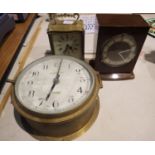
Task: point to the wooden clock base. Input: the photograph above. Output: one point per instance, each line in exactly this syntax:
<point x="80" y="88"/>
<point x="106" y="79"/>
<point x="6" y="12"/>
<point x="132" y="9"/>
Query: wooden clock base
<point x="117" y="76"/>
<point x="113" y="76"/>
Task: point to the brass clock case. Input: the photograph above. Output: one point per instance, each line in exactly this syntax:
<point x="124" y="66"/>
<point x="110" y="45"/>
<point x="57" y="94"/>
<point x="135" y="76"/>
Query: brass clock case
<point x="62" y="126"/>
<point x="66" y="39"/>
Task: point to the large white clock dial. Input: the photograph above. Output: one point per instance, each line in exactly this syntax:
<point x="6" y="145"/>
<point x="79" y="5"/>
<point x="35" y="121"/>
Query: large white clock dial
<point x="54" y="85"/>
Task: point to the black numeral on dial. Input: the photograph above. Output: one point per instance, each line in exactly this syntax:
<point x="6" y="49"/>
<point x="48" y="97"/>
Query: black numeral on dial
<point x="55" y="104"/>
<point x="45" y="67"/>
<point x="79" y="90"/>
<point x="71" y="99"/>
<point x="31" y="93"/>
<point x="78" y="70"/>
<point x="41" y="101"/>
<point x="35" y="73"/>
<point x="30" y="82"/>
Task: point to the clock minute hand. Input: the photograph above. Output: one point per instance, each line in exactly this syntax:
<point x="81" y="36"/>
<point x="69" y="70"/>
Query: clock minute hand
<point x="124" y="51"/>
<point x="55" y="81"/>
<point x="66" y="49"/>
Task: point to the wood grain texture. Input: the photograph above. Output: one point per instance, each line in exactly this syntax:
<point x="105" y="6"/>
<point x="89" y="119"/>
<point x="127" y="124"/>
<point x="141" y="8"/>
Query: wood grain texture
<point x="11" y="44"/>
<point x="22" y="62"/>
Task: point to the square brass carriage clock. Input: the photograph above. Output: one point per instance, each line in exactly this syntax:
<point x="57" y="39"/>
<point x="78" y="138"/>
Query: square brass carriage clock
<point x="66" y="37"/>
<point x="120" y="40"/>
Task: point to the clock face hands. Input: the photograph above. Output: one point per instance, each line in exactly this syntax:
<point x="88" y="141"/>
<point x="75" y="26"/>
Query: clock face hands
<point x="119" y="50"/>
<point x="55" y="80"/>
<point x="120" y="54"/>
<point x="67" y="44"/>
<point x="68" y="50"/>
<point x="123" y="53"/>
<point x="66" y="92"/>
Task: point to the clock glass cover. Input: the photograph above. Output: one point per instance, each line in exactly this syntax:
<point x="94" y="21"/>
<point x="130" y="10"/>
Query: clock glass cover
<point x="119" y="50"/>
<point x="54" y="84"/>
<point x="67" y="43"/>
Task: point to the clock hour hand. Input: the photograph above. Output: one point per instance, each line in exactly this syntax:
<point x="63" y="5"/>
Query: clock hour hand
<point x="121" y="53"/>
<point x="55" y="81"/>
<point x="48" y="95"/>
<point x="68" y="49"/>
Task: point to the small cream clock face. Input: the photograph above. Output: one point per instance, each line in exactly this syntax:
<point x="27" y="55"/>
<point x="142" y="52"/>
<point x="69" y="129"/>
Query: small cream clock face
<point x="119" y="50"/>
<point x="67" y="43"/>
<point x="54" y="84"/>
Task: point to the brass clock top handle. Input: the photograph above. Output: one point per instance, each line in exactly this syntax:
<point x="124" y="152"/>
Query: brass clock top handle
<point x="56" y="17"/>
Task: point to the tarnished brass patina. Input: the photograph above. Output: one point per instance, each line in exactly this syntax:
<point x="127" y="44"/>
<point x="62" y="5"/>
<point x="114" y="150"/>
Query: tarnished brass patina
<point x="66" y="26"/>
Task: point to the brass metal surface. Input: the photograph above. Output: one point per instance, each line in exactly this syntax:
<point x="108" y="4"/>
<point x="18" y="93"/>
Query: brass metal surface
<point x="78" y="26"/>
<point x="65" y="126"/>
<point x="54" y="17"/>
<point x="61" y="26"/>
<point x="39" y="136"/>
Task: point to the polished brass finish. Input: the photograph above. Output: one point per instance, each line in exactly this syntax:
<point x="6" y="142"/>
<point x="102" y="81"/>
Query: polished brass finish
<point x="55" y="17"/>
<point x="59" y="26"/>
<point x="38" y="135"/>
<point x="63" y="126"/>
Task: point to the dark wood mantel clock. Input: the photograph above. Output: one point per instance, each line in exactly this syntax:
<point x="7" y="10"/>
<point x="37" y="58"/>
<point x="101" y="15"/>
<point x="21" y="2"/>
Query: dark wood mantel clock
<point x="120" y="40"/>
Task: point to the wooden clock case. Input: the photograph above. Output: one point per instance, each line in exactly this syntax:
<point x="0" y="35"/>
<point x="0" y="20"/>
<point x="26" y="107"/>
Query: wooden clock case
<point x="114" y="24"/>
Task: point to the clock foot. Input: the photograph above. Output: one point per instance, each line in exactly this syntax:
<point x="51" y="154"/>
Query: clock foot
<point x="113" y="76"/>
<point x="117" y="76"/>
<point x="92" y="63"/>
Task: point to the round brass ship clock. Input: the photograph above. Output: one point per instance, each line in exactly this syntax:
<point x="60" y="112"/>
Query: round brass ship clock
<point x="57" y="96"/>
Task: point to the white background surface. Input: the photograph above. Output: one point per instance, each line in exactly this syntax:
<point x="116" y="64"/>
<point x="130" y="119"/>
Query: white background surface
<point x="127" y="108"/>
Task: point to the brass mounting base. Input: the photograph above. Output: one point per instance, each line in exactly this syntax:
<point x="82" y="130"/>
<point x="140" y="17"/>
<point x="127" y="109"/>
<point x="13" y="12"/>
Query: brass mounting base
<point x="39" y="136"/>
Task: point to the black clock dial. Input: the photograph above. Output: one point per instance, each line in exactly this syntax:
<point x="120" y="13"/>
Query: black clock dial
<point x="67" y="44"/>
<point x="119" y="50"/>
